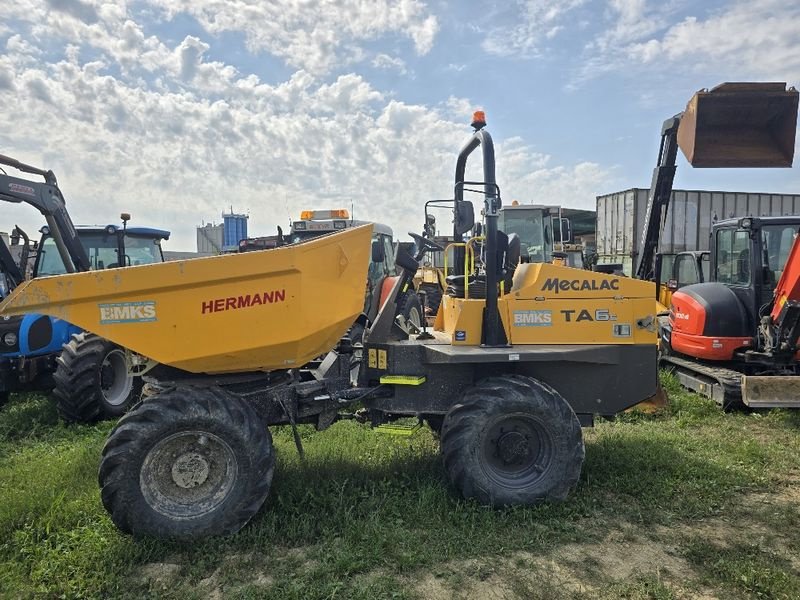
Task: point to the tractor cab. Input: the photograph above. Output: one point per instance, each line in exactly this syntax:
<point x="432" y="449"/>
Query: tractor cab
<point x="107" y="247"/>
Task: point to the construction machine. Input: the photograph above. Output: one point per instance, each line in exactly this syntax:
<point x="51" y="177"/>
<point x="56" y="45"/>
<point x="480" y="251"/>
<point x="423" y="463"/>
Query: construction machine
<point x="731" y="335"/>
<point x="381" y="273"/>
<point x="88" y="375"/>
<point x="227" y="338"/>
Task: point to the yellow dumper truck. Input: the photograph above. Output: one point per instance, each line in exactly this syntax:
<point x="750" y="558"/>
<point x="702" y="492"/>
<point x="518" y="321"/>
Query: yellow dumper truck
<point x="521" y="356"/>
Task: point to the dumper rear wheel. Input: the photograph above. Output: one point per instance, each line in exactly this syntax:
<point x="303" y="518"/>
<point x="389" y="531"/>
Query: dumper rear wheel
<point x="92" y="380"/>
<point x="512" y="440"/>
<point x="412" y="310"/>
<point x="187" y="463"/>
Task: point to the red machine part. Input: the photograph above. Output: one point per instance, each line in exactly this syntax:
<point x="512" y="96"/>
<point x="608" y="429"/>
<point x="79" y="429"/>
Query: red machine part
<point x="687" y="318"/>
<point x="788" y="287"/>
<point x="386" y="288"/>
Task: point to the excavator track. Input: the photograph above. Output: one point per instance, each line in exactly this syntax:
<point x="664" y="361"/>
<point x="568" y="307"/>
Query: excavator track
<point x="723" y="386"/>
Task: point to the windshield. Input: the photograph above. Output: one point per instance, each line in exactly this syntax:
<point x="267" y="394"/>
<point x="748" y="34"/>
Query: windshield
<point x="102" y="251"/>
<point x="529" y="225"/>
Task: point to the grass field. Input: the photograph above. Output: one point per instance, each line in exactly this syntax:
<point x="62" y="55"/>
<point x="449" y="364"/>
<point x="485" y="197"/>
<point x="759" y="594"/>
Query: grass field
<point x="686" y="503"/>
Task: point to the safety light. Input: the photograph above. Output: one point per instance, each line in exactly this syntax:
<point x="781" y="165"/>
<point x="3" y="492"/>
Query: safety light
<point x="340" y="224"/>
<point x="111" y="229"/>
<point x="299" y="225"/>
<point x="337" y="213"/>
<point x="10" y="338"/>
<point x="478" y="119"/>
<point x="45" y="230"/>
<point x="746" y="223"/>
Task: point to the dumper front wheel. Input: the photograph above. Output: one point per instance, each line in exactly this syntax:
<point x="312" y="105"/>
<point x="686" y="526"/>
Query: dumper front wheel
<point x="512" y="440"/>
<point x="187" y="463"/>
<point x="92" y="380"/>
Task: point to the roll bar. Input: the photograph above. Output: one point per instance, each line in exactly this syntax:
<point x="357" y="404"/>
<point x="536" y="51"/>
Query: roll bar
<point x="493" y="331"/>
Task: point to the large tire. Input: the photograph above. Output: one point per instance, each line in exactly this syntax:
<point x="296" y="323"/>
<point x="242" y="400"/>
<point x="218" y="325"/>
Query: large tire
<point x="92" y="381"/>
<point x="512" y="440"/>
<point x="412" y="310"/>
<point x="187" y="463"/>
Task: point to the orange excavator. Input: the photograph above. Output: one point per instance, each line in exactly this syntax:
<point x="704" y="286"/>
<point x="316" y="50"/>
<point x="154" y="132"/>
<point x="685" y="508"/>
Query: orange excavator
<point x="734" y="337"/>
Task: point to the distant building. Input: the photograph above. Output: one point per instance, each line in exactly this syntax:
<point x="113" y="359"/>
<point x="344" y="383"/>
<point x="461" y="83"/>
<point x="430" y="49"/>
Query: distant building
<point x="235" y="229"/>
<point x="210" y="239"/>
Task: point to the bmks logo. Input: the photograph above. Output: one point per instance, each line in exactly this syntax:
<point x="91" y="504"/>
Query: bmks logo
<point x="128" y="312"/>
<point x="533" y="318"/>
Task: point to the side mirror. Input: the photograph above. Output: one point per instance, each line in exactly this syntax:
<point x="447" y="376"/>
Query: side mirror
<point x="430" y="226"/>
<point x="464" y="217"/>
<point x="378" y="253"/>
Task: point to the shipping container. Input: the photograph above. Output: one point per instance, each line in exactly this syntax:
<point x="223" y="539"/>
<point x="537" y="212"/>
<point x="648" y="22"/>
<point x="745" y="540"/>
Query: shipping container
<point x="620" y="219"/>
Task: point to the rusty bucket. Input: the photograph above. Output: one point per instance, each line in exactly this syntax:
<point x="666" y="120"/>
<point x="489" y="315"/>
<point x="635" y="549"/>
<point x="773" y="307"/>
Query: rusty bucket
<point x="740" y="125"/>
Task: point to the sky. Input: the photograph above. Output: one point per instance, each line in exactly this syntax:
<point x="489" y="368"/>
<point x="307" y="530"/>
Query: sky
<point x="178" y="110"/>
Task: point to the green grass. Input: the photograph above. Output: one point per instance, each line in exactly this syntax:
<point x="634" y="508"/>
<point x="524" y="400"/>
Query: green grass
<point x="683" y="502"/>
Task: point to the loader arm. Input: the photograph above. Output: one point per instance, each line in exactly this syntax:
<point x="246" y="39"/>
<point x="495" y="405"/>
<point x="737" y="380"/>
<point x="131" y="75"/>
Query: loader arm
<point x="9" y="268"/>
<point x="48" y="200"/>
<point x="658" y="198"/>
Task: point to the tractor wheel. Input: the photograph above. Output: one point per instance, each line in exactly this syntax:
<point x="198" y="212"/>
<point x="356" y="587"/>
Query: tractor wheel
<point x="512" y="440"/>
<point x="433" y="295"/>
<point x="412" y="310"/>
<point x="92" y="380"/>
<point x="186" y="463"/>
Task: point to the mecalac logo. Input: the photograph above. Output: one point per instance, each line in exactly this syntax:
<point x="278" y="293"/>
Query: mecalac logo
<point x="128" y="312"/>
<point x="533" y="318"/>
<point x="555" y="284"/>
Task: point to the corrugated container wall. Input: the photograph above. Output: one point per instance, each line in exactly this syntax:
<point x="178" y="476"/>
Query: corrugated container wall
<point x="620" y="219"/>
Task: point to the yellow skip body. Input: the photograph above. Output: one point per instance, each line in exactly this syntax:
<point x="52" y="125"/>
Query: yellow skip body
<point x="266" y="310"/>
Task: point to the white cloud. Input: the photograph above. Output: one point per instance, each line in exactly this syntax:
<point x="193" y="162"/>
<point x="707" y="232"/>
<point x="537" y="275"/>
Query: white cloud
<point x="313" y="36"/>
<point x="535" y="21"/>
<point x="384" y="61"/>
<point x="744" y="39"/>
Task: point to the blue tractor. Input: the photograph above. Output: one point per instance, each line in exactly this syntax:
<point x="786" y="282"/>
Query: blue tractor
<point x="88" y="375"/>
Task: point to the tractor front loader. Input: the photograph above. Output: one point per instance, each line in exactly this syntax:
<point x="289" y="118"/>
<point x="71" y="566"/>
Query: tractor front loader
<point x="521" y="357"/>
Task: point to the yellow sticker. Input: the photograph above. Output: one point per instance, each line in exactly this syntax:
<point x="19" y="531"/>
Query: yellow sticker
<point x="381" y="359"/>
<point x="372" y="361"/>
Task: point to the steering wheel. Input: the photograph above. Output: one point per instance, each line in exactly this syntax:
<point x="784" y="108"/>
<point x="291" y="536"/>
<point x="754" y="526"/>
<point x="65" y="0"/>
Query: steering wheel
<point x="424" y="243"/>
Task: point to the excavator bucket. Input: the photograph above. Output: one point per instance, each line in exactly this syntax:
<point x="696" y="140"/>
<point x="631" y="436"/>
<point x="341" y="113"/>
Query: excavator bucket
<point x="264" y="310"/>
<point x="740" y="125"/>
